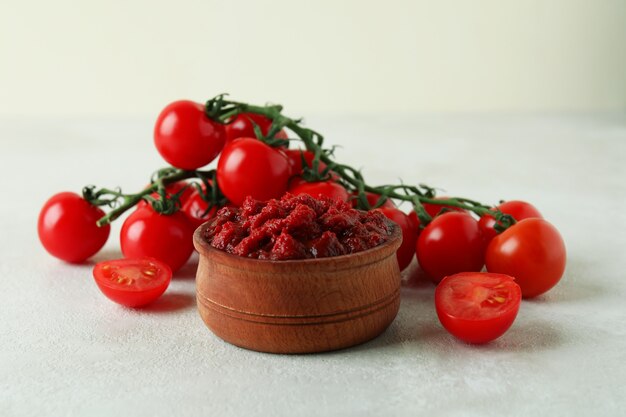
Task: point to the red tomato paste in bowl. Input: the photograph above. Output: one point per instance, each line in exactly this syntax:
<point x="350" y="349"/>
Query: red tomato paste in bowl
<point x="296" y="227"/>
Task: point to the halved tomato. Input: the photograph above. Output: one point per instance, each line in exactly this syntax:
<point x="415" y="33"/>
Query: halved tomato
<point x="132" y="282"/>
<point x="477" y="307"/>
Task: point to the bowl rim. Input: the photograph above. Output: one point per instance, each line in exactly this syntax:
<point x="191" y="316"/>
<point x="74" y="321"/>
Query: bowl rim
<point x="372" y="255"/>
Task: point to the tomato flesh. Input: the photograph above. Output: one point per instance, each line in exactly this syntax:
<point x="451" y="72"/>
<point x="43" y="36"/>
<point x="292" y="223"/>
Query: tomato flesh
<point x="477" y="307"/>
<point x="132" y="282"/>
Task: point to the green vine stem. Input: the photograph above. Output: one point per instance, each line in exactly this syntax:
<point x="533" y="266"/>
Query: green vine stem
<point x="120" y="202"/>
<point x="224" y="111"/>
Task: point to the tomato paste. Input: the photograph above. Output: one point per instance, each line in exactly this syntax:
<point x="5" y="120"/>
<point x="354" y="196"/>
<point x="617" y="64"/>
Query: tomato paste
<point x="296" y="227"/>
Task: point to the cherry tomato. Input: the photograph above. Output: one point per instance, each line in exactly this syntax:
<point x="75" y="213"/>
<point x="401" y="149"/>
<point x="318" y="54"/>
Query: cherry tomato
<point x="477" y="307"/>
<point x="243" y="127"/>
<point x="146" y="233"/>
<point x="185" y="137"/>
<point x="532" y="251"/>
<point x="450" y="244"/>
<point x="406" y="251"/>
<point x="249" y="167"/>
<point x="520" y="210"/>
<point x="372" y="199"/>
<point x="132" y="282"/>
<point x="67" y="227"/>
<point x="328" y="189"/>
<point x="171" y="189"/>
<point x="195" y="208"/>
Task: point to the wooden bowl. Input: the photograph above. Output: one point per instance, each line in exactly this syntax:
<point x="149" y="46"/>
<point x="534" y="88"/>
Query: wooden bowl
<point x="298" y="306"/>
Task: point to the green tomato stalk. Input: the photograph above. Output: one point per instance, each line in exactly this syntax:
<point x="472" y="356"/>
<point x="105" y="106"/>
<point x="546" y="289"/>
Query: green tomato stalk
<point x="224" y="111"/>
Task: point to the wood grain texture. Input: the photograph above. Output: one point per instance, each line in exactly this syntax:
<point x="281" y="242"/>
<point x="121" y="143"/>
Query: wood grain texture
<point x="298" y="306"/>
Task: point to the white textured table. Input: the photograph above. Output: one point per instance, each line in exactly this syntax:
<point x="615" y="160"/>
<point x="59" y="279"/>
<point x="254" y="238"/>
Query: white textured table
<point x="66" y="350"/>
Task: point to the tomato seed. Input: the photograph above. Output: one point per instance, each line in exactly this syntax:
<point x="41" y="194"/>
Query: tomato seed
<point x="148" y="272"/>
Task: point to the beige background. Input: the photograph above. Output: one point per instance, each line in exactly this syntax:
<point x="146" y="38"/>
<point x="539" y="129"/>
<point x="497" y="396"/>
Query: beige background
<point x="68" y="57"/>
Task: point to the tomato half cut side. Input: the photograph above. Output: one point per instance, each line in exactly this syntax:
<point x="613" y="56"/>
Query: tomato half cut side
<point x="477" y="307"/>
<point x="132" y="282"/>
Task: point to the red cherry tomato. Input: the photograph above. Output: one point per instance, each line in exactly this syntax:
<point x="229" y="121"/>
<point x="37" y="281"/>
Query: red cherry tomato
<point x="520" y="210"/>
<point x="146" y="233"/>
<point x="372" y="199"/>
<point x="249" y="167"/>
<point x="532" y="251"/>
<point x="477" y="307"/>
<point x="195" y="208"/>
<point x="406" y="251"/>
<point x="67" y="227"/>
<point x="322" y="188"/>
<point x="450" y="244"/>
<point x="243" y="127"/>
<point x="132" y="282"/>
<point x="185" y="137"/>
<point x="172" y="189"/>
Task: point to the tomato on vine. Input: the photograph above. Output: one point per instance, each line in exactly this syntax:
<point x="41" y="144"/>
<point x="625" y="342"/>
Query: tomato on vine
<point x="450" y="244"/>
<point x="406" y="251"/>
<point x="249" y="167"/>
<point x="532" y="251"/>
<point x="168" y="238"/>
<point x="67" y="228"/>
<point x="132" y="282"/>
<point x="189" y="135"/>
<point x="520" y="210"/>
<point x="477" y="307"/>
<point x="185" y="137"/>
